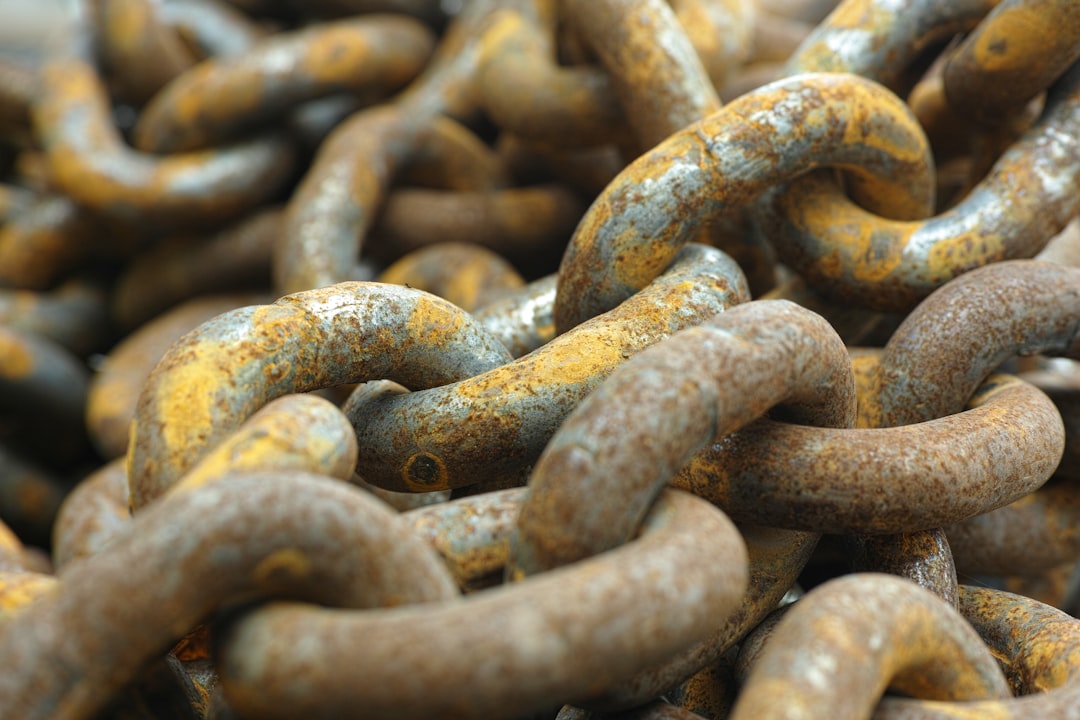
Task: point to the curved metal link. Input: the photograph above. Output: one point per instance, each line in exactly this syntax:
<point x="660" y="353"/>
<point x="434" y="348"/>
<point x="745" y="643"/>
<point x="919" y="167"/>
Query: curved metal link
<point x="342" y="334"/>
<point x="70" y="649"/>
<point x="674" y="398"/>
<point x="493" y="426"/>
<point x="655" y="205"/>
<point x="615" y="614"/>
<point x="868" y="632"/>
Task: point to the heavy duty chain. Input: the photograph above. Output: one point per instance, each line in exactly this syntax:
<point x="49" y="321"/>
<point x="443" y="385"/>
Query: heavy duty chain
<point x="534" y="359"/>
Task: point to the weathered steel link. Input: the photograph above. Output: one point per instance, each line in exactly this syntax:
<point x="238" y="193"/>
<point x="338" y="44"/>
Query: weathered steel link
<point x="885" y="480"/>
<point x="659" y="463"/>
<point x="335" y="204"/>
<point x="341" y="334"/>
<point x="91" y="162"/>
<point x="868" y="632"/>
<point x="289" y="534"/>
<point x="45" y="386"/>
<point x="470" y="276"/>
<point x="617" y="613"/>
<point x="494" y="425"/>
<point x="784" y="129"/>
<point x="43" y="244"/>
<point x="526" y="92"/>
<point x="852" y="255"/>
<point x="524" y="320"/>
<point x="928" y="369"/>
<point x="521" y="223"/>
<point x="74" y="315"/>
<point x="1038" y="648"/>
<point x="92" y="514"/>
<point x="1013" y="55"/>
<point x="212" y="103"/>
<point x="657" y="74"/>
<point x="672" y="412"/>
<point x="114" y="389"/>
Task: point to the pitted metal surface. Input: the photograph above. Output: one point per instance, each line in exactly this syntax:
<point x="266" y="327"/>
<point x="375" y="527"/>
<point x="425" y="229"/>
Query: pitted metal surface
<point x="532" y="359"/>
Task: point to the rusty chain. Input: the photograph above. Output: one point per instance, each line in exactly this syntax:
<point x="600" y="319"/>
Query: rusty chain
<point x="536" y="358"/>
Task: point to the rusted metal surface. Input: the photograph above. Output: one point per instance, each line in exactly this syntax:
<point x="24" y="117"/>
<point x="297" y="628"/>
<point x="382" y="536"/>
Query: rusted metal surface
<point x="90" y="161"/>
<point x="883" y="480"/>
<point x="523" y="320"/>
<point x="1037" y="646"/>
<point x="675" y="398"/>
<point x="373" y="56"/>
<point x="656" y="204"/>
<point x="495" y="424"/>
<point x="606" y="609"/>
<point x="657" y="74"/>
<point x="868" y="632"/>
<point x="74" y="314"/>
<point x="855" y="256"/>
<point x="470" y="276"/>
<point x="520" y="222"/>
<point x="235" y="258"/>
<point x="343" y="334"/>
<point x="536" y="130"/>
<point x="1014" y="54"/>
<point x="114" y="389"/>
<point x="290" y="534"/>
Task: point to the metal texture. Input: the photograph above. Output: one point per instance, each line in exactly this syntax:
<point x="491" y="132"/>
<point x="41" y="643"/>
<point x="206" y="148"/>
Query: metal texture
<point x="342" y="334"/>
<point x="292" y="534"/>
<point x="632" y="230"/>
<point x="868" y="632"/>
<point x="666" y="403"/>
<point x="885" y="480"/>
<point x="90" y="162"/>
<point x="470" y="276"/>
<point x="1014" y="54"/>
<point x="1036" y="644"/>
<point x="494" y="425"/>
<point x="214" y="102"/>
<point x="493" y="653"/>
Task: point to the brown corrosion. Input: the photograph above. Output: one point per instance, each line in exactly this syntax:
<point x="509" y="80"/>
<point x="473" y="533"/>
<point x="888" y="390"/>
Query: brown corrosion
<point x="1037" y="645"/>
<point x="885" y="480"/>
<point x="526" y="92"/>
<point x="493" y="426"/>
<point x="838" y="649"/>
<point x="74" y="314"/>
<point x="92" y="514"/>
<point x="852" y="255"/>
<point x="371" y="55"/>
<point x="929" y="369"/>
<point x="42" y="245"/>
<point x="1014" y="54"/>
<point x="226" y="369"/>
<point x="501" y="652"/>
<point x="631" y="231"/>
<point x="257" y="535"/>
<point x="470" y="276"/>
<point x="658" y="76"/>
<point x="141" y="53"/>
<point x="233" y="259"/>
<point x="90" y="161"/>
<point x="519" y="222"/>
<point x="114" y="389"/>
<point x="633" y="433"/>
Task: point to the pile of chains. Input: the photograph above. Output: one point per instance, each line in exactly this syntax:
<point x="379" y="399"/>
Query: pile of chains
<point x="420" y="359"/>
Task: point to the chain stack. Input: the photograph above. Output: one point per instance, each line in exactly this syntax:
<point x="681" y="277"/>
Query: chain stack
<point x="533" y="359"/>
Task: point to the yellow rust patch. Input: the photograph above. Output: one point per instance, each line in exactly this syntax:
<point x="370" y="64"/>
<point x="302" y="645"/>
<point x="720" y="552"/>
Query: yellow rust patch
<point x="16" y="360"/>
<point x="18" y="589"/>
<point x="282" y="566"/>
